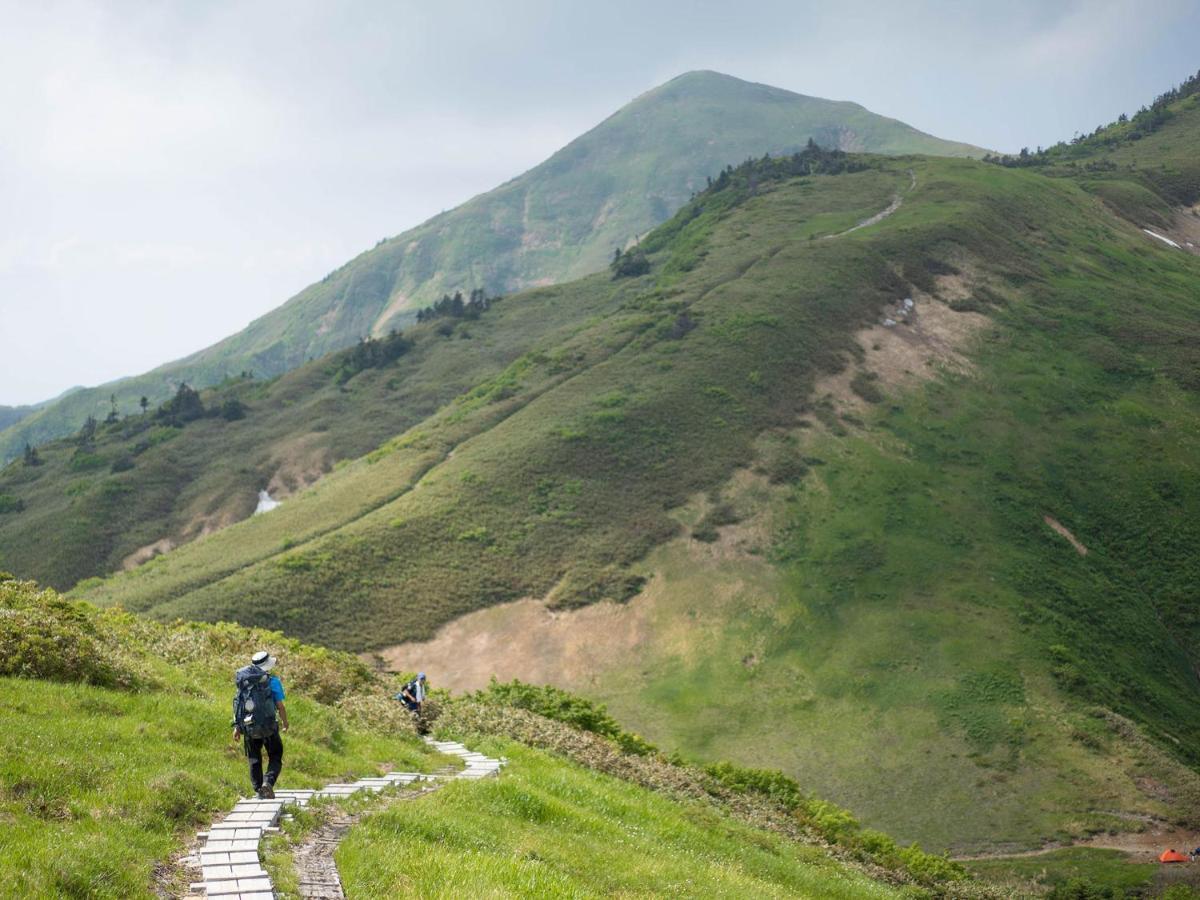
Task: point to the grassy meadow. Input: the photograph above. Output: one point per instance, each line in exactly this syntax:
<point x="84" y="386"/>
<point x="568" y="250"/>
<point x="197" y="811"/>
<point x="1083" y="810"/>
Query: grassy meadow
<point x="116" y="743"/>
<point x="551" y="828"/>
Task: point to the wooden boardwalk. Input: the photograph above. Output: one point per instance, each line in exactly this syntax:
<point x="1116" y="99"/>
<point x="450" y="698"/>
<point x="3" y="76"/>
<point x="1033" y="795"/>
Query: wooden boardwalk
<point x="228" y="858"/>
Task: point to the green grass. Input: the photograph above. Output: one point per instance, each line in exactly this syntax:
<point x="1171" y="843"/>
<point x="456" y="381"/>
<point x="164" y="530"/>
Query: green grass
<point x="568" y="484"/>
<point x="911" y="640"/>
<point x="116" y="744"/>
<point x="918" y="613"/>
<point x="80" y="522"/>
<point x="1107" y="868"/>
<point x="557" y="222"/>
<point x="550" y="828"/>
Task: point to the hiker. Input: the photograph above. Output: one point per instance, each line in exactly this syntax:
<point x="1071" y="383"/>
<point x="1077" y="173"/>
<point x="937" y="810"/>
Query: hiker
<point x="412" y="695"/>
<point x="258" y="700"/>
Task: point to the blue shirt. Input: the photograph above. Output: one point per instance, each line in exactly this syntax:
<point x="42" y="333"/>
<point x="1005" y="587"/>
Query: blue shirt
<point x="277" y="688"/>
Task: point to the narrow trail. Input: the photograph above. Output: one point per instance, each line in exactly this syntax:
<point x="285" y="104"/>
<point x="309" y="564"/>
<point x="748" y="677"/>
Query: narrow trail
<point x="228" y="859"/>
<point x="1141" y="846"/>
<point x="896" y="203"/>
<point x="316" y="870"/>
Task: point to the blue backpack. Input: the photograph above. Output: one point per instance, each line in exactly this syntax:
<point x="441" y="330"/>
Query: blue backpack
<point x="254" y="704"/>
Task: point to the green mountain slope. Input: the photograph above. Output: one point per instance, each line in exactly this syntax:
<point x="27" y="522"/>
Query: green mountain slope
<point x="558" y="221"/>
<point x="840" y="525"/>
<point x="116" y="751"/>
<point x="10" y="415"/>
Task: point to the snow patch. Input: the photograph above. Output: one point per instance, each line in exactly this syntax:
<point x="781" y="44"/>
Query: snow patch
<point x="1165" y="240"/>
<point x="266" y="502"/>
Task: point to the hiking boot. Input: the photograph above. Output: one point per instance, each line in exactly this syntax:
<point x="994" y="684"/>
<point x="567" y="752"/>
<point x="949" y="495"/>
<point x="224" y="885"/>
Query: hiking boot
<point x="266" y="792"/>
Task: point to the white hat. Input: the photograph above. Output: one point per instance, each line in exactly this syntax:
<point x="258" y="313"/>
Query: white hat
<point x="263" y="660"/>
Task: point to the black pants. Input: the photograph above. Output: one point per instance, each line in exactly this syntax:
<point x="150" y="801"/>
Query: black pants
<point x="254" y="748"/>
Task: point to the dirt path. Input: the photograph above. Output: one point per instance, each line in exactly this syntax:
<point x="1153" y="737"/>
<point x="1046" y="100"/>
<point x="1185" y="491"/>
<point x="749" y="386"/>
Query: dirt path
<point x="1142" y="846"/>
<point x="316" y="871"/>
<point x="897" y="201"/>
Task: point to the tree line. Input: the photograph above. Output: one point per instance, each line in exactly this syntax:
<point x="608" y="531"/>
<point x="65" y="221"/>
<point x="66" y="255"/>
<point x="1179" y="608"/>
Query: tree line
<point x="456" y="307"/>
<point x="1124" y="128"/>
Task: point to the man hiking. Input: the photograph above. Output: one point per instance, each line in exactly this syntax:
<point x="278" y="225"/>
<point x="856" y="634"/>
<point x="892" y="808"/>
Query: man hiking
<point x="258" y="717"/>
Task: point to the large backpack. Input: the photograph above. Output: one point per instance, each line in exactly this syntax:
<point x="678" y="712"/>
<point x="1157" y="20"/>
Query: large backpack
<point x="254" y="704"/>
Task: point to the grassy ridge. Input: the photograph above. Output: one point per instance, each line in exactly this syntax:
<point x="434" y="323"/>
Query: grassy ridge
<point x="552" y="829"/>
<point x="115" y="749"/>
<point x="919" y="613"/>
<point x="572" y="481"/>
<point x="115" y="745"/>
<point x="559" y="221"/>
<point x="85" y="509"/>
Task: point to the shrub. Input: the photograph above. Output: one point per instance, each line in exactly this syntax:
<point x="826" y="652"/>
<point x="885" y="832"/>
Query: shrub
<point x="775" y="785"/>
<point x="43" y="635"/>
<point x="555" y="703"/>
<point x="865" y="385"/>
<point x="1082" y="889"/>
<point x="630" y="265"/>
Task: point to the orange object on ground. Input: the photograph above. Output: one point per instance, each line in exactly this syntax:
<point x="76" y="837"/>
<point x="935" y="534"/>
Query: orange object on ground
<point x="1173" y="856"/>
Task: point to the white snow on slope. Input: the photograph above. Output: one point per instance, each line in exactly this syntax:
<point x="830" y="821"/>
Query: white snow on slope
<point x="1165" y="240"/>
<point x="266" y="503"/>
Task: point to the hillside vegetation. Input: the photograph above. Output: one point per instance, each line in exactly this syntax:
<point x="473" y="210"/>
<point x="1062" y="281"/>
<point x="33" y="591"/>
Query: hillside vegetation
<point x="116" y="750"/>
<point x="558" y="472"/>
<point x="560" y="220"/>
<point x="936" y="562"/>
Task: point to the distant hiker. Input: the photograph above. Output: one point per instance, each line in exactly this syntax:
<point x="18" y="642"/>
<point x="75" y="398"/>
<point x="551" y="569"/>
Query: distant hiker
<point x="259" y="697"/>
<point x="412" y="695"/>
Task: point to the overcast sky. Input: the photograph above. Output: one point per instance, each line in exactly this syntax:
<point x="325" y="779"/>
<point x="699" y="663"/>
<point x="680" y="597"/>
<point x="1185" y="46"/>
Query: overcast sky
<point x="169" y="171"/>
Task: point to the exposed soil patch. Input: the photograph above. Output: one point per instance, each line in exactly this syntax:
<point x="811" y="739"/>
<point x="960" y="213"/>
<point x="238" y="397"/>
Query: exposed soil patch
<point x="1062" y="529"/>
<point x="1185" y="229"/>
<point x="398" y="303"/>
<point x="298" y="464"/>
<point x="147" y="553"/>
<point x="524" y="639"/>
<point x="922" y="339"/>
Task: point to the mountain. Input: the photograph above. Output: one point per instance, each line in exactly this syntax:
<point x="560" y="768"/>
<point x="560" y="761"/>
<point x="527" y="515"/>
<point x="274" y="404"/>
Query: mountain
<point x="11" y="415"/>
<point x="933" y="559"/>
<point x="137" y="713"/>
<point x="558" y="221"/>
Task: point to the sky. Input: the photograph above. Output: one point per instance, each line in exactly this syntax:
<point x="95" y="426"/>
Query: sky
<point x="170" y="171"/>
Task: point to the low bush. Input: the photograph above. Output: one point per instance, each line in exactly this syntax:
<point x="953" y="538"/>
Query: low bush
<point x="44" y="636"/>
<point x="562" y="706"/>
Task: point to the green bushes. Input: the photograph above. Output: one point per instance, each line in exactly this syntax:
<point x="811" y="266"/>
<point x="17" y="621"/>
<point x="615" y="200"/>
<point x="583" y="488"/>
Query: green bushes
<point x="835" y="824"/>
<point x="555" y="703"/>
<point x="44" y="636"/>
<point x="630" y="265"/>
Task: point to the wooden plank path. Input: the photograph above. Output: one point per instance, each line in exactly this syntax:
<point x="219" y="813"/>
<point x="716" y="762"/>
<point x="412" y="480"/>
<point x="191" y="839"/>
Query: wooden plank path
<point x="228" y="859"/>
